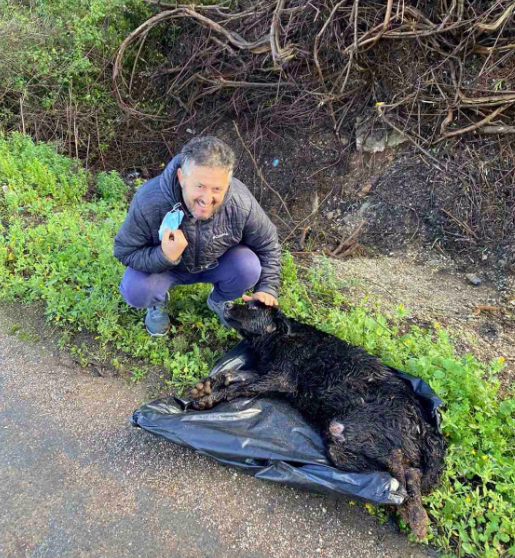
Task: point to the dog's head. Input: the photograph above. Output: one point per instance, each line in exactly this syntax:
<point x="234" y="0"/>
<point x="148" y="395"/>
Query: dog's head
<point x="254" y="319"/>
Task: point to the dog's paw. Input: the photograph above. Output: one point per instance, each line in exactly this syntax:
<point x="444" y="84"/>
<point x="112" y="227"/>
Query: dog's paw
<point x="203" y="403"/>
<point x="201" y="389"/>
<point x="215" y="382"/>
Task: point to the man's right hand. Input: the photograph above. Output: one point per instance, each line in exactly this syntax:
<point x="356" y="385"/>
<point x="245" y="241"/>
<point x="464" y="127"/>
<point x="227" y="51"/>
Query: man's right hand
<point x="173" y="244"/>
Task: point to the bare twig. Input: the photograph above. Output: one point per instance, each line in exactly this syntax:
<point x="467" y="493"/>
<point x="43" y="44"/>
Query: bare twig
<point x="490" y="101"/>
<point x="290" y="234"/>
<point x="22" y="99"/>
<point x="142" y="42"/>
<point x="434" y="161"/>
<point x="220" y="6"/>
<point x="349" y="241"/>
<point x="476" y="125"/>
<point x="303" y="236"/>
<point x="260" y="174"/>
<point x="279" y="55"/>
<point x="487" y="50"/>
<point x="496" y="24"/>
<point x="463" y="225"/>
<point x="447" y="120"/>
<point x="319" y="35"/>
<point x="498" y="130"/>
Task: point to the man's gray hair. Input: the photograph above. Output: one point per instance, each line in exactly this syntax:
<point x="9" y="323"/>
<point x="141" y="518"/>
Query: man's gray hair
<point x="207" y="151"/>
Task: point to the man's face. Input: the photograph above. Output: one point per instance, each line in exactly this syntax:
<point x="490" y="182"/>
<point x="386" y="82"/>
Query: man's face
<point x="203" y="189"/>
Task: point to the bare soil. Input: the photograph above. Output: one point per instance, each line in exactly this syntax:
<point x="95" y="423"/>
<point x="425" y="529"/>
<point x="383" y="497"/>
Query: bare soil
<point x="434" y="290"/>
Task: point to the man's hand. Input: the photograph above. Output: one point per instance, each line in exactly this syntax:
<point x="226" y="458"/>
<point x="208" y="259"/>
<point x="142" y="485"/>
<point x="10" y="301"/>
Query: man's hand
<point x="173" y="244"/>
<point x="265" y="298"/>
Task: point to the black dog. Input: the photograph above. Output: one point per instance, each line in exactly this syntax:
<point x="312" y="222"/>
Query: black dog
<point x="369" y="416"/>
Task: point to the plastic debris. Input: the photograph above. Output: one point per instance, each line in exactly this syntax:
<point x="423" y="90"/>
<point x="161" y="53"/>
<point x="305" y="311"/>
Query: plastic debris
<point x="474" y="279"/>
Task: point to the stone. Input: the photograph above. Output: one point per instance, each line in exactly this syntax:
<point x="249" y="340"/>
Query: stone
<point x="373" y="138"/>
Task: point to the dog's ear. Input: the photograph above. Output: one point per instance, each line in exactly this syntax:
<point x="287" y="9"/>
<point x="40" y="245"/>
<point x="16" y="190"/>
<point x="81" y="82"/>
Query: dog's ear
<point x="282" y="323"/>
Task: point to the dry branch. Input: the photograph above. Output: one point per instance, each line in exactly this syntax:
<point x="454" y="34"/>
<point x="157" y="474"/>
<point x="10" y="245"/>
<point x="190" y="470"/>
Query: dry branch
<point x="476" y="125"/>
<point x="494" y="26"/>
<point x="498" y="130"/>
<point x="325" y="61"/>
<point x="347" y="243"/>
<point x="260" y="174"/>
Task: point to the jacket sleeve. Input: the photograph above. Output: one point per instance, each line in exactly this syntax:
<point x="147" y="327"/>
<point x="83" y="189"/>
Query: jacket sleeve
<point x="260" y="235"/>
<point x="133" y="245"/>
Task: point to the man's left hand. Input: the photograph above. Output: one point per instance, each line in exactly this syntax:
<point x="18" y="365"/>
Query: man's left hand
<point x="265" y="298"/>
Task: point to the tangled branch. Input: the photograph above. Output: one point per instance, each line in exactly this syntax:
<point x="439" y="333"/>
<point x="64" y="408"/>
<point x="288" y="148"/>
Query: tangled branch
<point x="292" y="63"/>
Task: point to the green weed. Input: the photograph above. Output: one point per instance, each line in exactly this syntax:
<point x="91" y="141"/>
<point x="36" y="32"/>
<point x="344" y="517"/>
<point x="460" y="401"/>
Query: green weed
<point x="13" y="330"/>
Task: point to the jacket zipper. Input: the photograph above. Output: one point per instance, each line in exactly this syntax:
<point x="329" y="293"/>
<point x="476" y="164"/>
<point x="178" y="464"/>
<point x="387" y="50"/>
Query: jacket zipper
<point x="197" y="247"/>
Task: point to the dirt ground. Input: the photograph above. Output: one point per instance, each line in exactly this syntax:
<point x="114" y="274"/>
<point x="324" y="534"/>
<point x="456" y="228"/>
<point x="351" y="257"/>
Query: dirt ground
<point x="433" y="289"/>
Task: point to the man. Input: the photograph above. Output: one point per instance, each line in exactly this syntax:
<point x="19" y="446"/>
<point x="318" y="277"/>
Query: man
<point x="224" y="238"/>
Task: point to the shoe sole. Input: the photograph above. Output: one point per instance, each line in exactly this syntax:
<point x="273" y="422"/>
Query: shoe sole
<point x="157" y="334"/>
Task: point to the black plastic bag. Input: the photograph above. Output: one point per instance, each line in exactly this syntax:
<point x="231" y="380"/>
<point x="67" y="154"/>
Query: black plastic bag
<point x="269" y="439"/>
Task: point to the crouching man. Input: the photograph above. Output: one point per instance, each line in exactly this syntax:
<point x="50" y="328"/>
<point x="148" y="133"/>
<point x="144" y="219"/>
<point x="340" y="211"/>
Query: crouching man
<point x="223" y="237"/>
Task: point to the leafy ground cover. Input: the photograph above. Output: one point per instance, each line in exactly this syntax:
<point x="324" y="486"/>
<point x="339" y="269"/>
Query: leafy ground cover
<point x="56" y="231"/>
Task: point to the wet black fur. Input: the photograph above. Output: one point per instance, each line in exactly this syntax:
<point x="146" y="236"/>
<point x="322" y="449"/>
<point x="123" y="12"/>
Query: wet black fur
<point x="330" y="381"/>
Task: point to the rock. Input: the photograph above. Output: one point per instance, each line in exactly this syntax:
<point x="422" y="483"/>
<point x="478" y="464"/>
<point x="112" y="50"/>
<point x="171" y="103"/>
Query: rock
<point x="373" y="143"/>
<point x="372" y="137"/>
<point x="474" y="279"/>
<point x="395" y="138"/>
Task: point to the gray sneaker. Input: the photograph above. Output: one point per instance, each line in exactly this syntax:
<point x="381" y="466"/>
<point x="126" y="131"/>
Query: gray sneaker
<point x="157" y="321"/>
<point x="218" y="308"/>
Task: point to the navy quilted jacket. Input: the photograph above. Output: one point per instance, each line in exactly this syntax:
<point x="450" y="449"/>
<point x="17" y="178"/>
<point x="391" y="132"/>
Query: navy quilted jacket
<point x="240" y="220"/>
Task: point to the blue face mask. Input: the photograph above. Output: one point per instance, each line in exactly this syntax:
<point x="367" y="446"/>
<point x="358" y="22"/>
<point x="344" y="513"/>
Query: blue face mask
<point x="171" y="221"/>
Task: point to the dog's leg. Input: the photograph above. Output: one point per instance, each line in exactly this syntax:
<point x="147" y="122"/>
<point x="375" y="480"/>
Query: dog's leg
<point x="270" y="383"/>
<point x="416" y="515"/>
<point x="224" y="378"/>
<point x="397" y="469"/>
<point x="395" y="465"/>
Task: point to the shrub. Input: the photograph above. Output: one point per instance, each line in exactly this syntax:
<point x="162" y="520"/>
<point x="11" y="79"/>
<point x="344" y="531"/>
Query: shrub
<point x="111" y="187"/>
<point x="55" y="57"/>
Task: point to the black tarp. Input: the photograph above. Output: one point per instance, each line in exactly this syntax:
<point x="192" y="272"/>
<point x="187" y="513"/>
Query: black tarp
<point x="269" y="439"/>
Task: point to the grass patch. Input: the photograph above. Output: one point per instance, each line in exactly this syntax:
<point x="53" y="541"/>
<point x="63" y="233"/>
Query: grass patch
<point x="57" y="228"/>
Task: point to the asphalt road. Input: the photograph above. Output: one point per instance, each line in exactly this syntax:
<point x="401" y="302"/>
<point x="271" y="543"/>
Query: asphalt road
<point x="77" y="481"/>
